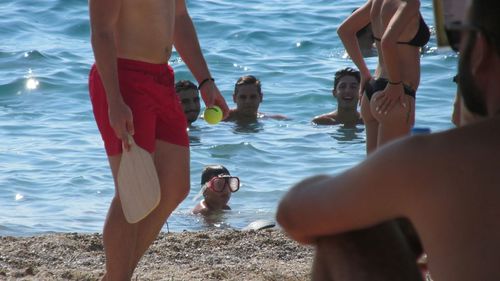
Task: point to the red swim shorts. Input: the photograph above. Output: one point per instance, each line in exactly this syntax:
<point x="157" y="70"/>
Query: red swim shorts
<point x="148" y="89"/>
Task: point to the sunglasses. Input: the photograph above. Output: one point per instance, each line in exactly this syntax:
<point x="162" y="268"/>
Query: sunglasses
<point x="218" y="184"/>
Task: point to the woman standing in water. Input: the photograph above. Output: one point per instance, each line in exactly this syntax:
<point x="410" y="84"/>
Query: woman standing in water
<point x="388" y="97"/>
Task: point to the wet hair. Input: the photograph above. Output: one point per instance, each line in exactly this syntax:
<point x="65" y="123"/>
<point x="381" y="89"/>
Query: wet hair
<point x="247" y="80"/>
<point x="183" y="85"/>
<point x="211" y="171"/>
<point x="484" y="14"/>
<point x="348" y="71"/>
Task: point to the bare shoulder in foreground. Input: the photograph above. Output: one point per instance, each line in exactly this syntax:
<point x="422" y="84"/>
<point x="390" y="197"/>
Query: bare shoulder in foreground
<point x="432" y="179"/>
<point x="446" y="183"/>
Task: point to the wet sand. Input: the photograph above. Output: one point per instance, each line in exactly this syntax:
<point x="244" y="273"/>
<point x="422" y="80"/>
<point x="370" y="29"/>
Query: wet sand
<point x="209" y="255"/>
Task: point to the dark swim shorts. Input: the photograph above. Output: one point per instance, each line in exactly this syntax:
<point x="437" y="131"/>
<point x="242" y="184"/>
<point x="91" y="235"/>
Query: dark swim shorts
<point x="379" y="84"/>
<point x="148" y="89"/>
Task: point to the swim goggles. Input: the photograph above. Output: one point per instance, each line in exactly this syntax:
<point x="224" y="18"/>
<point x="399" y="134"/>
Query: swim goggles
<point x="218" y="184"/>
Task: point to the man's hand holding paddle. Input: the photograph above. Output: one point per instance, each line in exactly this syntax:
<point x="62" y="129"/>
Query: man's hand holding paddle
<point x="121" y="120"/>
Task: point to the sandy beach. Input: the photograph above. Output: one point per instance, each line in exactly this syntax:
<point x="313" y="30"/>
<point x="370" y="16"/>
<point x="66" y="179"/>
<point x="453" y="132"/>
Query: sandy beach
<point x="209" y="255"/>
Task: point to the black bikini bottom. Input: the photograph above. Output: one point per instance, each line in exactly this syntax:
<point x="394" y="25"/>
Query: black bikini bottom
<point x="379" y="84"/>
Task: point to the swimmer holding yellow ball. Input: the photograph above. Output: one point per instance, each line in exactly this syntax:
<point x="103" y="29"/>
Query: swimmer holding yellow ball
<point x="212" y="115"/>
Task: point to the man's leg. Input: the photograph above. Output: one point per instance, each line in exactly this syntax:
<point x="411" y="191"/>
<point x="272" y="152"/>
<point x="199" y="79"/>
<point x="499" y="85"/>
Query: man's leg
<point x="125" y="243"/>
<point x="379" y="253"/>
<point x="172" y="164"/>
<point x="119" y="237"/>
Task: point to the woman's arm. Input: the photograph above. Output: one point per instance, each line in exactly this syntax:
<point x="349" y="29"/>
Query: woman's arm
<point x="347" y="33"/>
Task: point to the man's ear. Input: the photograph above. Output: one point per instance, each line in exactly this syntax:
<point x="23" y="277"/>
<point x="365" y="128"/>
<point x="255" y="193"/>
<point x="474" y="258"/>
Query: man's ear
<point x="234" y="97"/>
<point x="261" y="97"/>
<point x="481" y="60"/>
<point x="480" y="56"/>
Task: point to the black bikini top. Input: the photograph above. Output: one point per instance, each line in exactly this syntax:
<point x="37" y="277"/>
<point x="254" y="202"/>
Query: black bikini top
<point x="421" y="38"/>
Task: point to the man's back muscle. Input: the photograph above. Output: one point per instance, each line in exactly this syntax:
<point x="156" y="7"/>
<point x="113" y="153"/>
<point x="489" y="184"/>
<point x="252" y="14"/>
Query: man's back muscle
<point x="459" y="221"/>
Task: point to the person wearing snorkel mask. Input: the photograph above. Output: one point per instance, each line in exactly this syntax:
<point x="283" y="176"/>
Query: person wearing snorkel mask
<point x="217" y="184"/>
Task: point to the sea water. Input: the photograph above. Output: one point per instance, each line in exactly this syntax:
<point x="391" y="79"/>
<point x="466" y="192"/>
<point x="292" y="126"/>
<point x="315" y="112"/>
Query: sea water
<point x="54" y="175"/>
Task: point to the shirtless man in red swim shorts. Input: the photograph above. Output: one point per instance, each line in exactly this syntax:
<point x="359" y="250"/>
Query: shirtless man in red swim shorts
<point x="132" y="91"/>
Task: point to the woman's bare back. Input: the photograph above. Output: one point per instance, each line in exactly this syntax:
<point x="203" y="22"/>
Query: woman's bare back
<point x="382" y="15"/>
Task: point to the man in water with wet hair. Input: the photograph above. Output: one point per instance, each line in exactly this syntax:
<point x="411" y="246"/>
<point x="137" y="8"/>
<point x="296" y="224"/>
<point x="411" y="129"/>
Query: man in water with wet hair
<point x="132" y="92"/>
<point x="446" y="183"/>
<point x="345" y="90"/>
<point x="190" y="99"/>
<point x="248" y="96"/>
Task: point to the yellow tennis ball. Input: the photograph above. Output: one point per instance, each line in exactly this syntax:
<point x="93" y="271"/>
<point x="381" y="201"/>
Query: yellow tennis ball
<point x="213" y="115"/>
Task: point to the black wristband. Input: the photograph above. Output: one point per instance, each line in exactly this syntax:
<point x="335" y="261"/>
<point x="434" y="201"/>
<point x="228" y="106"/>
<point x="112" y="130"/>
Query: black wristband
<point x="395" y="83"/>
<point x="205" y="81"/>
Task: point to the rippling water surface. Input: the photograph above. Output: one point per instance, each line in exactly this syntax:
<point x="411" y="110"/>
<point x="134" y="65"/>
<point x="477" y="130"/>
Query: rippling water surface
<point x="54" y="175"/>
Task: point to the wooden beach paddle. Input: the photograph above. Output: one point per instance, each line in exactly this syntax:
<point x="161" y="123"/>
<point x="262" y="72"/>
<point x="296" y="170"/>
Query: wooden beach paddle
<point x="138" y="184"/>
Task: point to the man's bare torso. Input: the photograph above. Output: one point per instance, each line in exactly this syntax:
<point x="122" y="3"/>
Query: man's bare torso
<point x="458" y="215"/>
<point x="145" y="30"/>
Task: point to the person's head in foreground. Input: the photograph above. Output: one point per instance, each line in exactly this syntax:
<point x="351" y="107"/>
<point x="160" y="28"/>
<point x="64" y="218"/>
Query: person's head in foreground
<point x="460" y="113"/>
<point x="190" y="99"/>
<point x="479" y="55"/>
<point x="217" y="184"/>
<point x="345" y="91"/>
<point x="446" y="183"/>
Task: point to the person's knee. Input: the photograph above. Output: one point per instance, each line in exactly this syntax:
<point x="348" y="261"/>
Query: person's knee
<point x="183" y="192"/>
<point x="411" y="236"/>
<point x="177" y="194"/>
<point x="171" y="198"/>
<point x="379" y="252"/>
